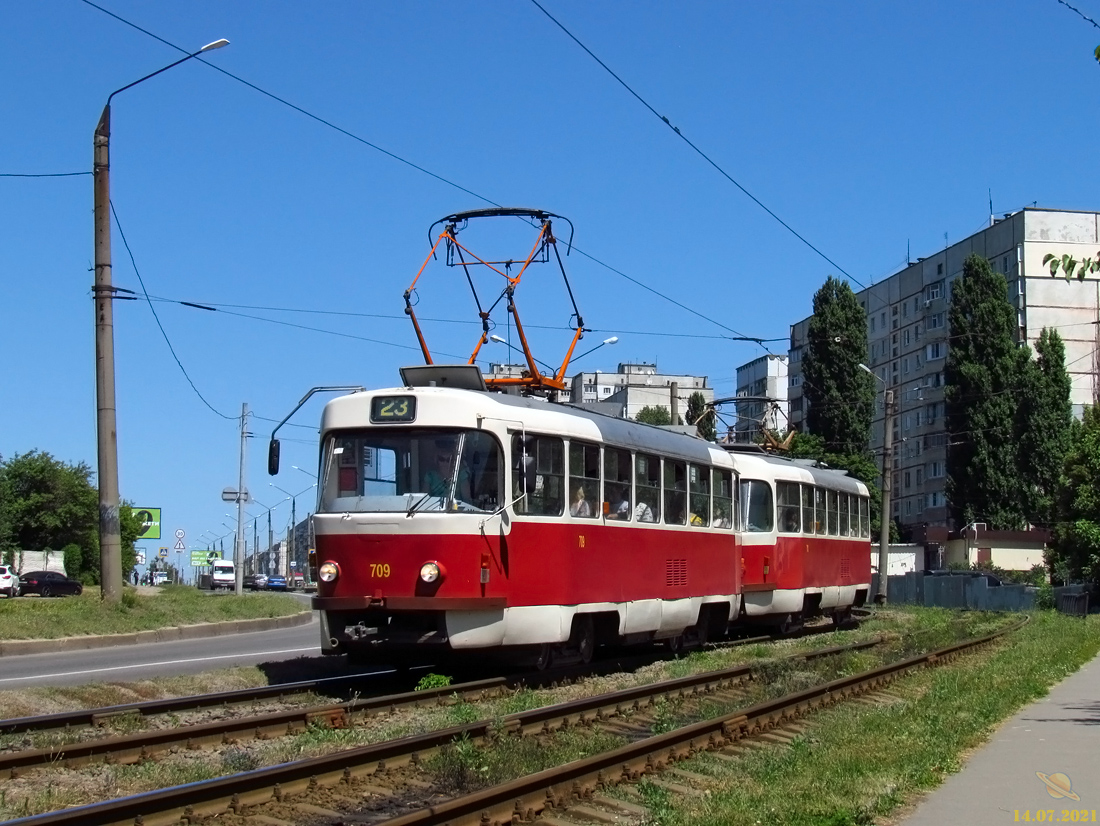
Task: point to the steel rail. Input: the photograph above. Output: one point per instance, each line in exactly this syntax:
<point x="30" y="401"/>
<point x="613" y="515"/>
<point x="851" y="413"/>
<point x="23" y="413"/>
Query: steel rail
<point x="142" y="745"/>
<point x="237" y="791"/>
<point x="524" y="799"/>
<point x="243" y="696"/>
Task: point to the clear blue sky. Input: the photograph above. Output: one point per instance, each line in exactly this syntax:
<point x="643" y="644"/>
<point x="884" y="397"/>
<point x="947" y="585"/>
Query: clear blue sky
<point x="866" y="126"/>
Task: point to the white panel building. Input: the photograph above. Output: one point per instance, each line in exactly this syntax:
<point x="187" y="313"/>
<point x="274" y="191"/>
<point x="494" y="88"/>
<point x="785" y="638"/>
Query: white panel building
<point x="908" y="338"/>
<point x="762" y="383"/>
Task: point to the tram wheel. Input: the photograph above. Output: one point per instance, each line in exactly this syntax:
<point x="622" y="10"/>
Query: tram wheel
<point x="545" y="658"/>
<point x="586" y="639"/>
<point x="675" y="644"/>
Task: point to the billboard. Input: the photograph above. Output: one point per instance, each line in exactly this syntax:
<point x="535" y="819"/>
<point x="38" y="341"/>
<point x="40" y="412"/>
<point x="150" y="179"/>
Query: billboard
<point x="150" y="522"/>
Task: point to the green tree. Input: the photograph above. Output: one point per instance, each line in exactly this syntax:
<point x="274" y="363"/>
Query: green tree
<point x="1045" y="417"/>
<point x="984" y="374"/>
<point x="46" y="504"/>
<point x="1075" y="545"/>
<point x="655" y="414"/>
<point x="701" y="417"/>
<point x="841" y="396"/>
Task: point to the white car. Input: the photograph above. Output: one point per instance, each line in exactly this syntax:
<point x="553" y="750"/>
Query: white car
<point x="9" y="581"/>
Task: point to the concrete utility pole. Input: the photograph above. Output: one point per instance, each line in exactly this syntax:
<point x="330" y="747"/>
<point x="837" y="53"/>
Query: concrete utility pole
<point x="674" y="403"/>
<point x="110" y="539"/>
<point x="238" y="550"/>
<point x="887" y="486"/>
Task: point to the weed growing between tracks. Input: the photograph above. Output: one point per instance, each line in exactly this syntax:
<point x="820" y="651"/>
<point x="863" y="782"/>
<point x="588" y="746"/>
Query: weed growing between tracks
<point x="858" y="763"/>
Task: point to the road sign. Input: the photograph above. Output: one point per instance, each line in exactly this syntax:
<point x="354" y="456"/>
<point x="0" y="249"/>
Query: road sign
<point x="231" y="495"/>
<point x="180" y="533"/>
<point x="163" y="552"/>
<point x="293" y="564"/>
<point x="140" y="558"/>
<point x="179" y="545"/>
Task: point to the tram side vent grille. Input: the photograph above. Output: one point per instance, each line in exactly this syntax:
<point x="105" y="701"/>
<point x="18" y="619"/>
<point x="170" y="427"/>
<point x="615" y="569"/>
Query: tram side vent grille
<point x="845" y="569"/>
<point x="676" y="572"/>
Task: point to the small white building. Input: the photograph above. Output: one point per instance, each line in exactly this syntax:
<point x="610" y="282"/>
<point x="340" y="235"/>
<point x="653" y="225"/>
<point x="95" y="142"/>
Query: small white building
<point x="762" y="383"/>
<point x="637" y="385"/>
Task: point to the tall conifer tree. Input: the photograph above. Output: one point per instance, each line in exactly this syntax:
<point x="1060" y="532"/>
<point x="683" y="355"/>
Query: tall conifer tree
<point x="841" y="396"/>
<point x="1045" y="419"/>
<point x="984" y="375"/>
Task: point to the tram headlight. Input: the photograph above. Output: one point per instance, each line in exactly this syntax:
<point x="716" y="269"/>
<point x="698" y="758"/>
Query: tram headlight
<point x="328" y="572"/>
<point x="430" y="572"/>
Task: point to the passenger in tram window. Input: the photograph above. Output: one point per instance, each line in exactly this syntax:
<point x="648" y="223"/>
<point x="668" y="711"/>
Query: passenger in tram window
<point x="790" y="522"/>
<point x="643" y="513"/>
<point x="721" y="517"/>
<point x="621" y="508"/>
<point x="580" y="506"/>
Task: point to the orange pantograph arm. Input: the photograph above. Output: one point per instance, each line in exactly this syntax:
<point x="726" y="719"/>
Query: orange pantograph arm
<point x="408" y="302"/>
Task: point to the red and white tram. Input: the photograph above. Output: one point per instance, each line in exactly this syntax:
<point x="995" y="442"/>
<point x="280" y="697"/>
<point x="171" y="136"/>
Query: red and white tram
<point x="456" y="521"/>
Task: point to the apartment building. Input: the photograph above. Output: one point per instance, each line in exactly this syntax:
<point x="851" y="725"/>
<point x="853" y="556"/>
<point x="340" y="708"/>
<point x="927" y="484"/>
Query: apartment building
<point x="636" y="385"/>
<point x="908" y="339"/>
<point x="762" y="383"/>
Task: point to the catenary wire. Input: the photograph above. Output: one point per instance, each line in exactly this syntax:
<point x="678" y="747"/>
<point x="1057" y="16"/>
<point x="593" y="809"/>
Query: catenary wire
<point x="221" y="307"/>
<point x="697" y="150"/>
<point x="164" y="333"/>
<point x="392" y="155"/>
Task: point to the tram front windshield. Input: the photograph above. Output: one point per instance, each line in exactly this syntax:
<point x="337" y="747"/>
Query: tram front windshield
<point x="411" y="471"/>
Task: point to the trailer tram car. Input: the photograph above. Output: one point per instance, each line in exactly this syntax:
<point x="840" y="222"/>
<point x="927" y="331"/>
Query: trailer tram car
<point x="457" y="522"/>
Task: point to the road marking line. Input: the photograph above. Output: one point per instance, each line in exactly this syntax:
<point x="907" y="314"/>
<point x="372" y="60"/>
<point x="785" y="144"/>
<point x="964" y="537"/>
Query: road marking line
<point x="166" y="662"/>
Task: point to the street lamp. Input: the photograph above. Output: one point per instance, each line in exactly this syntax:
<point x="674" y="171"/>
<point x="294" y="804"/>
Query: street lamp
<point x="511" y="346"/>
<point x="606" y="341"/>
<point x="306" y="472"/>
<point x="887" y="485"/>
<point x="293" y="513"/>
<point x="110" y="540"/>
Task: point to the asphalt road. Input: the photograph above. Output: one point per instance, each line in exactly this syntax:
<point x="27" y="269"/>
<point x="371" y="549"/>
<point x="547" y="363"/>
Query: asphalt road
<point x="287" y="654"/>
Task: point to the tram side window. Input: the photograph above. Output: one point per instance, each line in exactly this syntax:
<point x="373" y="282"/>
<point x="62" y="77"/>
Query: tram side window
<point x="675" y="486"/>
<point x="787" y="500"/>
<point x="844" y="514"/>
<point x="864" y="517"/>
<point x="808" y="509"/>
<point x="584" y="480"/>
<point x="538" y="468"/>
<point x="647" y="487"/>
<point x="819" y="510"/>
<point x="617" y="487"/>
<point x="831" y="511"/>
<point x="699" y="495"/>
<point x="757" y="508"/>
<point x="722" y="484"/>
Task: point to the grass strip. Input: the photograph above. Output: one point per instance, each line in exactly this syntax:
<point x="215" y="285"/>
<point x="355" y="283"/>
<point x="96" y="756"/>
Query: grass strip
<point x="35" y="618"/>
<point x="857" y="763"/>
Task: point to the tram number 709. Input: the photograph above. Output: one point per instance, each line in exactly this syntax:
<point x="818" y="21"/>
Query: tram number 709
<point x="380" y="570"/>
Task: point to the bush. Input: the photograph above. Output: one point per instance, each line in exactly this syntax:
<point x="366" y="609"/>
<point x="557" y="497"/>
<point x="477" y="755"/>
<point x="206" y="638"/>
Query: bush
<point x="432" y="681"/>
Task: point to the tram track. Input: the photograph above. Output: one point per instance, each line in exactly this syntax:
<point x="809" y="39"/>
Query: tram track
<point x="149" y="743"/>
<point x="262" y="786"/>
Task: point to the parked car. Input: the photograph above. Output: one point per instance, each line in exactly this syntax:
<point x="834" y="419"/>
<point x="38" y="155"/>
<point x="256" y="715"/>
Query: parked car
<point x="9" y="581"/>
<point x="257" y="582"/>
<point x="276" y="582"/>
<point x="49" y="584"/>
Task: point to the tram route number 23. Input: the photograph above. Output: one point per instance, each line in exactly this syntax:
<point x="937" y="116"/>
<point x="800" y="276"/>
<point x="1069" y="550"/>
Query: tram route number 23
<point x="380" y="570"/>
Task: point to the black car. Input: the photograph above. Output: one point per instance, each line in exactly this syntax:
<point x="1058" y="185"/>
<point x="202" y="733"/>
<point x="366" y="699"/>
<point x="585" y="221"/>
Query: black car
<point x="48" y="584"/>
<point x="255" y="582"/>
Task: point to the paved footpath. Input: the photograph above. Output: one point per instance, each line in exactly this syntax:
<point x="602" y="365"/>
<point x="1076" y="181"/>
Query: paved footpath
<point x="1033" y="768"/>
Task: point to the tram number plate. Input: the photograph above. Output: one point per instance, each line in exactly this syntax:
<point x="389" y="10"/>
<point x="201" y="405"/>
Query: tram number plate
<point x="379" y="570"/>
<point x="385" y="409"/>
